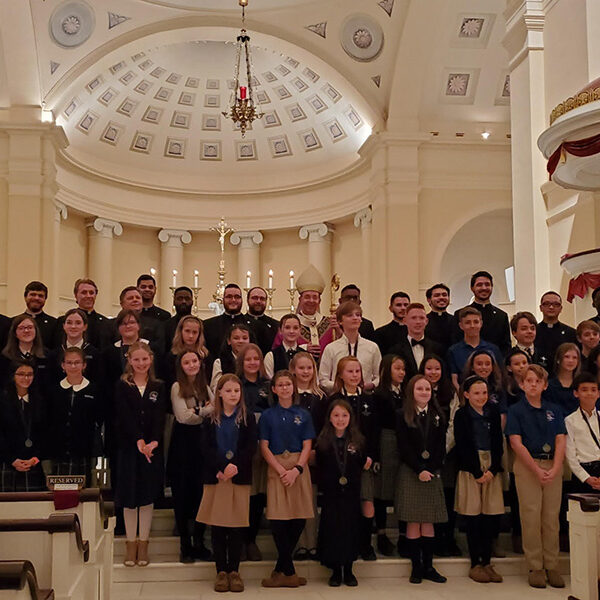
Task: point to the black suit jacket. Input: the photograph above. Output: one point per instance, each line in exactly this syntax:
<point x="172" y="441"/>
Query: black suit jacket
<point x="47" y="326"/>
<point x="367" y="330"/>
<point x="404" y="349"/>
<point x="157" y="313"/>
<point x="440" y="329"/>
<point x="215" y="331"/>
<point x="389" y="335"/>
<point x="99" y="332"/>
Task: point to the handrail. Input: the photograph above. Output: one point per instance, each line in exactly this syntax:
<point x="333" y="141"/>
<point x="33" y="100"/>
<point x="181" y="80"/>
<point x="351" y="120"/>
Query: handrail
<point x="16" y="574"/>
<point x="587" y="502"/>
<point x="55" y="523"/>
<point x="107" y="509"/>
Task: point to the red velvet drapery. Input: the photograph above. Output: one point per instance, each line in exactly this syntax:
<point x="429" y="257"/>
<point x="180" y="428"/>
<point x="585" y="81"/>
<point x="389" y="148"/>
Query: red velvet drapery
<point x="585" y="147"/>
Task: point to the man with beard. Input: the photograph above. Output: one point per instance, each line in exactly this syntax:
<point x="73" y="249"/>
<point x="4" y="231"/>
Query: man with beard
<point x="146" y="284"/>
<point x="216" y="328"/>
<point x="440" y="324"/>
<point x="36" y="294"/>
<point x="183" y="300"/>
<point x="99" y="331"/>
<point x="264" y="327"/>
<point x="395" y="331"/>
<point x="496" y="329"/>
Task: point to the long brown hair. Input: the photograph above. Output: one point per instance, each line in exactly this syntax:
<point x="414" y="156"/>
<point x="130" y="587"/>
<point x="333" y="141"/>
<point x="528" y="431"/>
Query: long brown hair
<point x="84" y="318"/>
<point x="314" y="382"/>
<point x="178" y="347"/>
<point x="241" y="413"/>
<point x="353" y="434"/>
<point x="560" y="354"/>
<point x="338" y="384"/>
<point x="192" y="389"/>
<point x="127" y="376"/>
<point x="239" y="360"/>
<point x="409" y="406"/>
<point x="11" y="350"/>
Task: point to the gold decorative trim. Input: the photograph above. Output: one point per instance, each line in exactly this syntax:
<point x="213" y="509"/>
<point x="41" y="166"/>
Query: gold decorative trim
<point x="581" y="99"/>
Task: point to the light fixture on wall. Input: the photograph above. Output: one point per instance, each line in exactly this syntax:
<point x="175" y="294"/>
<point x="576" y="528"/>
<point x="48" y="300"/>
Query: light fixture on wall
<point x="242" y="109"/>
<point x="485" y="135"/>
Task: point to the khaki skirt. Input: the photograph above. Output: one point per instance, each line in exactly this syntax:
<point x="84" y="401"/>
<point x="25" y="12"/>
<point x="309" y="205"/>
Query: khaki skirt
<point x="294" y="502"/>
<point x="225" y="504"/>
<point x="472" y="498"/>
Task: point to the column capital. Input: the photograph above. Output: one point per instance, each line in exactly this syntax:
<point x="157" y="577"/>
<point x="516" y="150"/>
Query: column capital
<point x="316" y="232"/>
<point x="105" y="227"/>
<point x="246" y="239"/>
<point x="363" y="217"/>
<point x="525" y="20"/>
<point x="174" y="236"/>
<point x="60" y="211"/>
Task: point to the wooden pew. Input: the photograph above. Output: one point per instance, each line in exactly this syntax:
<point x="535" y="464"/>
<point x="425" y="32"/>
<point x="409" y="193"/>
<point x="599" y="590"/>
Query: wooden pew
<point x="18" y="581"/>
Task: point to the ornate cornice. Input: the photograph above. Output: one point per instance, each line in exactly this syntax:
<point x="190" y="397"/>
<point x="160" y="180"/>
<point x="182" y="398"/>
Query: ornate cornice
<point x="581" y="99"/>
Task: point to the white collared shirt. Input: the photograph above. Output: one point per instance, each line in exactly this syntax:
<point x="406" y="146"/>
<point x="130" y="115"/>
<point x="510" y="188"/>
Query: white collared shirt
<point x="581" y="447"/>
<point x="418" y="350"/>
<point x="79" y="344"/>
<point x="367" y="353"/>
<point x="270" y="359"/>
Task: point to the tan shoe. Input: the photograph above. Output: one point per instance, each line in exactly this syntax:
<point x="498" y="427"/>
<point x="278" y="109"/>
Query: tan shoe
<point x="291" y="581"/>
<point x="275" y="580"/>
<point x="222" y="582"/>
<point x="494" y="576"/>
<point x="555" y="578"/>
<point x="142" y="553"/>
<point x="537" y="579"/>
<point x="235" y="582"/>
<point x="130" y="554"/>
<point x="479" y="574"/>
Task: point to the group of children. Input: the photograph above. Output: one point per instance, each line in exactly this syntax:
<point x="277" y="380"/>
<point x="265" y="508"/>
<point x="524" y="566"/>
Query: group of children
<point x="353" y="436"/>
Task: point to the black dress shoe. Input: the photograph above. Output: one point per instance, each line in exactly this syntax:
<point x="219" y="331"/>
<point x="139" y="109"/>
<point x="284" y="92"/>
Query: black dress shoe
<point x="384" y="545"/>
<point x="432" y="575"/>
<point x="336" y="578"/>
<point x="186" y="557"/>
<point x="416" y="576"/>
<point x="349" y="578"/>
<point x="368" y="554"/>
<point x="202" y="553"/>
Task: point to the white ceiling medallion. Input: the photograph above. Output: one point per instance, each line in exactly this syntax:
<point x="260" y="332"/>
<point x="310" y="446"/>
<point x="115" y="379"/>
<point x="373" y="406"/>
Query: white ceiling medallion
<point x="71" y="24"/>
<point x="459" y="85"/>
<point x="362" y="38"/>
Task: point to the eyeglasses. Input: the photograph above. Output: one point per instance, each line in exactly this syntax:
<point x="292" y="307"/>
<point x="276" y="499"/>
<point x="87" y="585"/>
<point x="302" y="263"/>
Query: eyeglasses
<point x="73" y="363"/>
<point x="27" y="375"/>
<point x="230" y="297"/>
<point x="25" y="328"/>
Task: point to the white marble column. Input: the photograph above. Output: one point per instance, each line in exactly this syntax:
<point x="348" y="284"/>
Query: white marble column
<point x="319" y="236"/>
<point x="248" y="243"/>
<point x="60" y="214"/>
<point x="171" y="259"/>
<point x="100" y="260"/>
<point x="364" y="219"/>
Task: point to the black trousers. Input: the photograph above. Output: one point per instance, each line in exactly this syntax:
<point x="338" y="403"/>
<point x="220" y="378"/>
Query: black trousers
<point x="227" y="547"/>
<point x="257" y="506"/>
<point x="286" y="535"/>
<point x="480" y="536"/>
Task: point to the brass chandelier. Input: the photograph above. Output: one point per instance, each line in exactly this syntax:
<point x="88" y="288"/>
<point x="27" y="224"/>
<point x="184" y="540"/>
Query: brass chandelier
<point x="242" y="108"/>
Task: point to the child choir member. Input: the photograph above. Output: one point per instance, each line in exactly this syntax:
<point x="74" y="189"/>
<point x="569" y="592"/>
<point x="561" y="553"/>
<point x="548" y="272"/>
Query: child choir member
<point x="388" y="403"/>
<point x="279" y="358"/>
<point x="420" y="498"/>
<point x="286" y="434"/>
<point x="348" y="379"/>
<point x="189" y="337"/>
<point x="567" y="364"/>
<point x="479" y="498"/>
<point x="536" y="430"/>
<point x="237" y="337"/>
<point x="588" y="337"/>
<point x="255" y="387"/>
<point x="76" y="415"/>
<point x="23" y="420"/>
<point x="483" y="364"/>
<point x="340" y="460"/>
<point x="141" y="407"/>
<point x="228" y="442"/>
<point x="191" y="403"/>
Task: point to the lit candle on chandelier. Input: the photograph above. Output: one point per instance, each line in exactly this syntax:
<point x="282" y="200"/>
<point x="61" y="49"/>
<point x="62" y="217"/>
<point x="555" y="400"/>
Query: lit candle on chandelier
<point x="242" y="92"/>
<point x="174" y="277"/>
<point x="291" y="280"/>
<point x="196" y="273"/>
<point x="270" y="278"/>
<point x="248" y="276"/>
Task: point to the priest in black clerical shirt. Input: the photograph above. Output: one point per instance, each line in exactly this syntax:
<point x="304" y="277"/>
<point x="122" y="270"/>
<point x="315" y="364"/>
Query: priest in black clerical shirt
<point x="264" y="327"/>
<point x="146" y="284"/>
<point x="183" y="301"/>
<point x="216" y="328"/>
<point x="551" y="333"/>
<point x="495" y="321"/>
<point x="4" y="327"/>
<point x="440" y="323"/>
<point x="36" y="294"/>
<point x="394" y="332"/>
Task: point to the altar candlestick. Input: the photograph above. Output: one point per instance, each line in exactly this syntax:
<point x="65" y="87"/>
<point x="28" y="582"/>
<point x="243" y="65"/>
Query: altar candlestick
<point x="196" y="278"/>
<point x="270" y="278"/>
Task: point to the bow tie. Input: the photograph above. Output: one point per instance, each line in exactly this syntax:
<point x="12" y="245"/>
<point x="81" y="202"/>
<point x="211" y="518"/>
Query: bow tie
<point x="414" y="343"/>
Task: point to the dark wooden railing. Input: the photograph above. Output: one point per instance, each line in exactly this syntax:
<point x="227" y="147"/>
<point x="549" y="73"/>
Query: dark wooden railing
<point x="16" y="574"/>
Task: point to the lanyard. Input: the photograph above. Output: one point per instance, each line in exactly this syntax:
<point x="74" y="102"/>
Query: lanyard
<point x="341" y="462"/>
<point x="424" y="430"/>
<point x="590" y="427"/>
<point x="27" y="418"/>
<point x="350" y="352"/>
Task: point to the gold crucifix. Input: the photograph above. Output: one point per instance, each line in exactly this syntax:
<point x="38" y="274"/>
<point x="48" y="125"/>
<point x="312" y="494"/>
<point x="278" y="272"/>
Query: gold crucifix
<point x="223" y="230"/>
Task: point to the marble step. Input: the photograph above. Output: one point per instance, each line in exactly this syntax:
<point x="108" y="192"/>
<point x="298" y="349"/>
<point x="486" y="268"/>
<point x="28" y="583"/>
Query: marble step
<point x="381" y="568"/>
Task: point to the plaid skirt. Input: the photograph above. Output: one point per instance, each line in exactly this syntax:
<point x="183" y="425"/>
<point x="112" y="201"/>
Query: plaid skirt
<point x="386" y="480"/>
<point x="367" y="486"/>
<point x="419" y="501"/>
<point x="74" y="466"/>
<point x="12" y="480"/>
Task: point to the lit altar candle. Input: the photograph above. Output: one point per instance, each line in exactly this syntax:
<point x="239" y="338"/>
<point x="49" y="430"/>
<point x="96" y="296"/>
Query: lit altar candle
<point x="153" y="271"/>
<point x="248" y="276"/>
<point x="174" y="277"/>
<point x="196" y="278"/>
<point x="270" y="278"/>
<point x="291" y="280"/>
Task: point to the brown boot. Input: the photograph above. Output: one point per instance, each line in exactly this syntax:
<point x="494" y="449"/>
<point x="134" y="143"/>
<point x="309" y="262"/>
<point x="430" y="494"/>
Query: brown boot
<point x="275" y="580"/>
<point x="494" y="576"/>
<point x="222" y="582"/>
<point x="142" y="553"/>
<point x="291" y="581"/>
<point x="479" y="574"/>
<point x="235" y="582"/>
<point x="555" y="579"/>
<point x="130" y="554"/>
<point x="537" y="578"/>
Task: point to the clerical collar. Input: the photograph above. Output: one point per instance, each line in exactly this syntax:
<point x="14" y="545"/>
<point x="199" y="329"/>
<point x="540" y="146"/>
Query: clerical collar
<point x="249" y="314"/>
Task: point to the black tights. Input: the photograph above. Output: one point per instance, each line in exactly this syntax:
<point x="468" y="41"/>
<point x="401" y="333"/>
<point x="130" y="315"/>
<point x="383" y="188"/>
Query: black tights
<point x="286" y="535"/>
<point x="227" y="547"/>
<point x="480" y="536"/>
<point x="257" y="506"/>
<point x="381" y="514"/>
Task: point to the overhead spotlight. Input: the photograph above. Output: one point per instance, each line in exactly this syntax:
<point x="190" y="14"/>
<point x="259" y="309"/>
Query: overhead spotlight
<point x="485" y="135"/>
